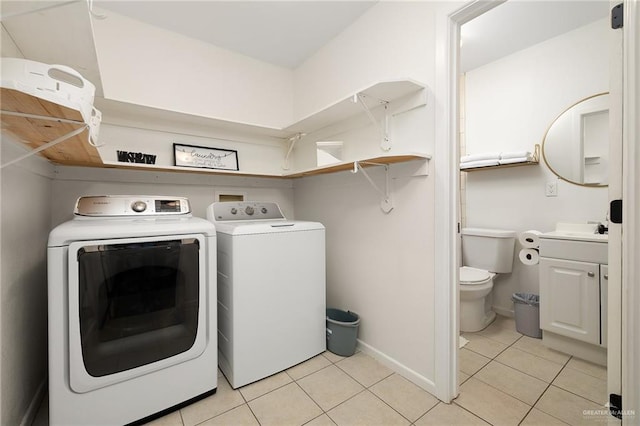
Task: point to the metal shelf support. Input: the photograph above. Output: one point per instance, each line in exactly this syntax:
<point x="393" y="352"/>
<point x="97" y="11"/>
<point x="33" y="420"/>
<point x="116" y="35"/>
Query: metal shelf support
<point x="386" y="204"/>
<point x="385" y="144"/>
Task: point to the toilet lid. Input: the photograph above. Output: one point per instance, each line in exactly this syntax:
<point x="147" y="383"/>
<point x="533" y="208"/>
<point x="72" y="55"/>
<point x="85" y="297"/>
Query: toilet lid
<point x="470" y="276"/>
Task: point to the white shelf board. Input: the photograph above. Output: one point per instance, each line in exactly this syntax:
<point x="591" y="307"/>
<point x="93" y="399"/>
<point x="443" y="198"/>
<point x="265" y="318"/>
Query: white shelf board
<point x="346" y="108"/>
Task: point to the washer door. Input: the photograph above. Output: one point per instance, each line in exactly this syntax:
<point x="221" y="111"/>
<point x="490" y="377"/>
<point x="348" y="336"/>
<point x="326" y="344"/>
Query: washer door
<point x="135" y="306"/>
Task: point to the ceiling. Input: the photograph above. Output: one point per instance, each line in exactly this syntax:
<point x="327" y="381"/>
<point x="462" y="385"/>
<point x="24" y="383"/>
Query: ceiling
<point x="283" y="33"/>
<point x="286" y="33"/>
<point x="518" y="24"/>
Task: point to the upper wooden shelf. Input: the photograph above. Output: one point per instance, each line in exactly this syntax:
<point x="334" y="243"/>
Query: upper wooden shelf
<point x="376" y="95"/>
<point x="34" y="132"/>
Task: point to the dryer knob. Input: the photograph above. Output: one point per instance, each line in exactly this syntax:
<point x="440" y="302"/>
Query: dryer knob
<point x="234" y="210"/>
<point x="138" y="206"/>
<point x="249" y="210"/>
<point x="263" y="210"/>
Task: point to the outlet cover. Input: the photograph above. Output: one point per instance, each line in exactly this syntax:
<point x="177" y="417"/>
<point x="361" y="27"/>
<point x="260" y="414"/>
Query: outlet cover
<point x="551" y="188"/>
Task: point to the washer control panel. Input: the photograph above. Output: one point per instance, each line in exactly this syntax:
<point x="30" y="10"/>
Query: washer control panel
<point x="246" y="210"/>
<point x="131" y="205"/>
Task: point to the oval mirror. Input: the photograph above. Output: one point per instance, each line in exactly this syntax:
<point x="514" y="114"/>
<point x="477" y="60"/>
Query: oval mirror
<point x="576" y="146"/>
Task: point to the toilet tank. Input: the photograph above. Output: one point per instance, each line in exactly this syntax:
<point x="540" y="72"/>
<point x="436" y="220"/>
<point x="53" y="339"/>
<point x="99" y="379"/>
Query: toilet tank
<point x="489" y="249"/>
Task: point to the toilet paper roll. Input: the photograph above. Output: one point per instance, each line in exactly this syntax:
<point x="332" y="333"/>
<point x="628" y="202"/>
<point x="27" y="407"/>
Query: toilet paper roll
<point x="530" y="239"/>
<point x="529" y="256"/>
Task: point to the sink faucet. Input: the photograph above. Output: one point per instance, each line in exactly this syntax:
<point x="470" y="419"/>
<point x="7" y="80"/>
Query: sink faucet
<point x="600" y="228"/>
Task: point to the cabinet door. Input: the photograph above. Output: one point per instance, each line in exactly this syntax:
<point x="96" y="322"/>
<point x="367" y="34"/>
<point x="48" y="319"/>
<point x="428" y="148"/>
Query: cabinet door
<point x="570" y="299"/>
<point x="604" y="289"/>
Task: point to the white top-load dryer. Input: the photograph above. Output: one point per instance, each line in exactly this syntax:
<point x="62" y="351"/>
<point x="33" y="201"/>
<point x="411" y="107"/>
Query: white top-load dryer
<point x="271" y="290"/>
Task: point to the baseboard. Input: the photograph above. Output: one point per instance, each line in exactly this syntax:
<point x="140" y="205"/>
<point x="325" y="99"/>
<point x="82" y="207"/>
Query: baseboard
<point x="503" y="311"/>
<point x="406" y="372"/>
<point x="34" y="406"/>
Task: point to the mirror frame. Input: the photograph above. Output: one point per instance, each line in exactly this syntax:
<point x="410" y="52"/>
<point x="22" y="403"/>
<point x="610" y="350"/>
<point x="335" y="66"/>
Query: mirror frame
<point x="544" y="140"/>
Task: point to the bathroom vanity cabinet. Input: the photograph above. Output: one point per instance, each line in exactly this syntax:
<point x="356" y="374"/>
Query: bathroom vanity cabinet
<point x="573" y="295"/>
<point x="571" y="299"/>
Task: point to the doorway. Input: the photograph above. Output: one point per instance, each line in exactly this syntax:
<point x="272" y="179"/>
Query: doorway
<point x="522" y="183"/>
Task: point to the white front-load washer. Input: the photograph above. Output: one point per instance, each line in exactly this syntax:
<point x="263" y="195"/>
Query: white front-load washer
<point x="271" y="290"/>
<point x="132" y="310"/>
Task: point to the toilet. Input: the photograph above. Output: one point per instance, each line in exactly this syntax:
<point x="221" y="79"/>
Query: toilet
<point x="485" y="253"/>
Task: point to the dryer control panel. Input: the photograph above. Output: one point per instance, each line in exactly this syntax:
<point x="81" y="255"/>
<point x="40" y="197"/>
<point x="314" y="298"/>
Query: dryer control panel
<point x="131" y="205"/>
<point x="245" y="210"/>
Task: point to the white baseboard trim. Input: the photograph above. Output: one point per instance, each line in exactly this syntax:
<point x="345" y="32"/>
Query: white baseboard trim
<point x="34" y="406"/>
<point x="406" y="372"/>
<point x="504" y="312"/>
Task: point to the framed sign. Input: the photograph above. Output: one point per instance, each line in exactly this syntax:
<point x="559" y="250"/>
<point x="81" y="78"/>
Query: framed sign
<point x="205" y="158"/>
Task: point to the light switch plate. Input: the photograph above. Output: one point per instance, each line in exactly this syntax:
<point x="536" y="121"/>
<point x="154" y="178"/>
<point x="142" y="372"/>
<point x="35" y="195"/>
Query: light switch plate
<point x="551" y="188"/>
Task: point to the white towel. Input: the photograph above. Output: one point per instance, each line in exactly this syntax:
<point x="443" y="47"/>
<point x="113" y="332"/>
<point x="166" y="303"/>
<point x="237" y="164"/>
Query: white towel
<point x="479" y="163"/>
<point x="514" y="154"/>
<point x="479" y="157"/>
<point x="516" y="160"/>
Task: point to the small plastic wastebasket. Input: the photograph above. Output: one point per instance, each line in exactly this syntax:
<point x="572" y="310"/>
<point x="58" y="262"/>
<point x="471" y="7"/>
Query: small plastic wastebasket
<point x="527" y="310"/>
<point x="342" y="331"/>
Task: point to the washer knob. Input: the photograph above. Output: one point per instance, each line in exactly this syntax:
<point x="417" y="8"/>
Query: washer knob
<point x="263" y="210"/>
<point x="249" y="210"/>
<point x="138" y="206"/>
<point x="234" y="210"/>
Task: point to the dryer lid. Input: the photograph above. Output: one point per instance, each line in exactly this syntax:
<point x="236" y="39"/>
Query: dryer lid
<point x="470" y="276"/>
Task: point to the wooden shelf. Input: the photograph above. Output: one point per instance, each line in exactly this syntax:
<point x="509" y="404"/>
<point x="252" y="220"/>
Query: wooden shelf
<point x="76" y="151"/>
<point x="501" y="166"/>
<point x="348" y="165"/>
<point x="535" y="161"/>
<point x="34" y="132"/>
<point x="332" y="168"/>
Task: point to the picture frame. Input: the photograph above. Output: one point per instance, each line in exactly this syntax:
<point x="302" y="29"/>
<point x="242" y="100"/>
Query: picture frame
<point x="201" y="157"/>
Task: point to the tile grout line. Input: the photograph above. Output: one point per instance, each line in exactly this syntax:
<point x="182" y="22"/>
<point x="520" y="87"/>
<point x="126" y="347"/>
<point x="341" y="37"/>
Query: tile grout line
<point x="494" y="359"/>
<point x="564" y="365"/>
<point x="470" y="412"/>
<point x="545" y="391"/>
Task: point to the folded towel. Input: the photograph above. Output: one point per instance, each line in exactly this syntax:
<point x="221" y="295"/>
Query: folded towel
<point x="479" y="163"/>
<point x="514" y="154"/>
<point x="479" y="157"/>
<point x="516" y="160"/>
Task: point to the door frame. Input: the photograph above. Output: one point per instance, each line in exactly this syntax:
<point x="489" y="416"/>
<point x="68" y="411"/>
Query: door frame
<point x="447" y="172"/>
<point x="447" y="216"/>
<point x="630" y="214"/>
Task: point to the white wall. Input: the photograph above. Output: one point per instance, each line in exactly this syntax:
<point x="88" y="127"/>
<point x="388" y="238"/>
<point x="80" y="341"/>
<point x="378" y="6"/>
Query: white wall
<point x="24" y="227"/>
<point x="392" y="40"/>
<point x="380" y="266"/>
<point x="146" y="65"/>
<point x="256" y="155"/>
<point x="510" y="103"/>
<point x="73" y="182"/>
<point x="25" y="221"/>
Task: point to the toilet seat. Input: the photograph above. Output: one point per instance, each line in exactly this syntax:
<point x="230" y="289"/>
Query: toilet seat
<point x="474" y="276"/>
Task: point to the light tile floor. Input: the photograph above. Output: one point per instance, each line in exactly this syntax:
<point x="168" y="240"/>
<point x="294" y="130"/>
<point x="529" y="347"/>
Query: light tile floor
<point x="505" y="379"/>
